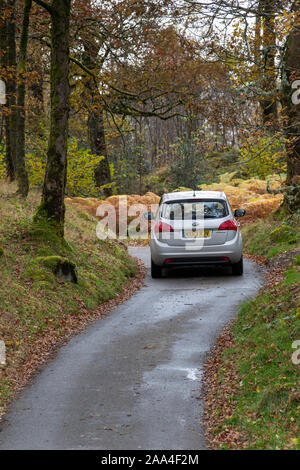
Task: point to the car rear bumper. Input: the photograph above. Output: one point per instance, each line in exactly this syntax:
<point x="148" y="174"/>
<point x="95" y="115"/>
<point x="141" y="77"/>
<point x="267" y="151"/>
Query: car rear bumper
<point x="228" y="253"/>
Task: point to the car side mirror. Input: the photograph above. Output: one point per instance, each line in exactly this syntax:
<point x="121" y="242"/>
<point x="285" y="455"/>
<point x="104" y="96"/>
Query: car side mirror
<point x="239" y="213"/>
<point x="148" y="216"/>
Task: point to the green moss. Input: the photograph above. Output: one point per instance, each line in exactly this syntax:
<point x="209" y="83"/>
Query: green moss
<point x="292" y="276"/>
<point x="52" y="262"/>
<point x="39" y="274"/>
<point x="45" y="233"/>
<point x="43" y="224"/>
<point x="275" y="250"/>
<point x="38" y="269"/>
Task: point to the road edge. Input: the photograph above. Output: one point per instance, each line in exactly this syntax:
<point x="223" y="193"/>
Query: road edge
<point x="50" y="346"/>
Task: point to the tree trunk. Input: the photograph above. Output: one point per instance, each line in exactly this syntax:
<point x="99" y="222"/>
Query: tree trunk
<point x="36" y="90"/>
<point x="96" y="130"/>
<point x="11" y="91"/>
<point x="268" y="103"/>
<point x="98" y="147"/>
<point x="10" y="169"/>
<point x="291" y="111"/>
<point x="22" y="176"/>
<point x="257" y="40"/>
<point x="52" y="208"/>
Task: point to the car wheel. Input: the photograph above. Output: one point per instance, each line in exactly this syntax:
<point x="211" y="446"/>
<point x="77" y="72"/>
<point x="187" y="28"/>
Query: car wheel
<point x="156" y="271"/>
<point x="238" y="268"/>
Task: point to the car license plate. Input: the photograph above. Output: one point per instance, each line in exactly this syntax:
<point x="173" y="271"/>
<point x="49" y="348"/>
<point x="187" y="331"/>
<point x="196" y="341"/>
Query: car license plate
<point x="196" y="233"/>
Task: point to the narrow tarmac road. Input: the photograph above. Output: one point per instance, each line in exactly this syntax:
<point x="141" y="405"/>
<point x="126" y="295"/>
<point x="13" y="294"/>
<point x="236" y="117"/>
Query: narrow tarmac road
<point x="133" y="380"/>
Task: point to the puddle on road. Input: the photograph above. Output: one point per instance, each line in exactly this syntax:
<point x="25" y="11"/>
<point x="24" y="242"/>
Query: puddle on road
<point x="194" y="374"/>
<point x="190" y="373"/>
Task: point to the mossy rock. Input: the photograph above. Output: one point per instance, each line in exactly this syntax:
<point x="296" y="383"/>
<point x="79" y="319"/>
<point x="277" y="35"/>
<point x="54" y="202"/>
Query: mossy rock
<point x="1" y="251"/>
<point x="40" y="275"/>
<point x="62" y="268"/>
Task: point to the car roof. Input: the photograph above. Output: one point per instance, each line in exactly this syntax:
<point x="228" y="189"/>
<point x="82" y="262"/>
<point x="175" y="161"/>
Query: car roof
<point x="179" y="195"/>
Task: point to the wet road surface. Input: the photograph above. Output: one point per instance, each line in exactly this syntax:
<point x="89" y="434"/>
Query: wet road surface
<point x="133" y="380"/>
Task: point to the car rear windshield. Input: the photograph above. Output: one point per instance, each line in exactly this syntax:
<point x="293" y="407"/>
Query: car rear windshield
<point x="191" y="209"/>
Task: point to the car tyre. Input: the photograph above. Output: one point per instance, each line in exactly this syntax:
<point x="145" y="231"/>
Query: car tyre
<point x="156" y="271"/>
<point x="238" y="268"/>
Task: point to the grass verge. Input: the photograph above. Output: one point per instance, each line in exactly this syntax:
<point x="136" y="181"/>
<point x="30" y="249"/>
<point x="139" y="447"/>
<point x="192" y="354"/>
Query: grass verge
<point x="39" y="309"/>
<point x="272" y="236"/>
<point x="252" y="382"/>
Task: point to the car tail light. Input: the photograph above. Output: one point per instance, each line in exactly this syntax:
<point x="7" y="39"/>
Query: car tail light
<point x="161" y="227"/>
<point x="229" y="225"/>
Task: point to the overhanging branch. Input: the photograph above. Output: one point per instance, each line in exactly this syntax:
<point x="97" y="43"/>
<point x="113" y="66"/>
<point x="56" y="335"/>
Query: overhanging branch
<point x="46" y="6"/>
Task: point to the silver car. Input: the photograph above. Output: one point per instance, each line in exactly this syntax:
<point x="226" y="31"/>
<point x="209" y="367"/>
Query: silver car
<point x="195" y="228"/>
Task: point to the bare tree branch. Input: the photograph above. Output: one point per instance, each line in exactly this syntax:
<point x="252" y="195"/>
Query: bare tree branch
<point x="46" y="6"/>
